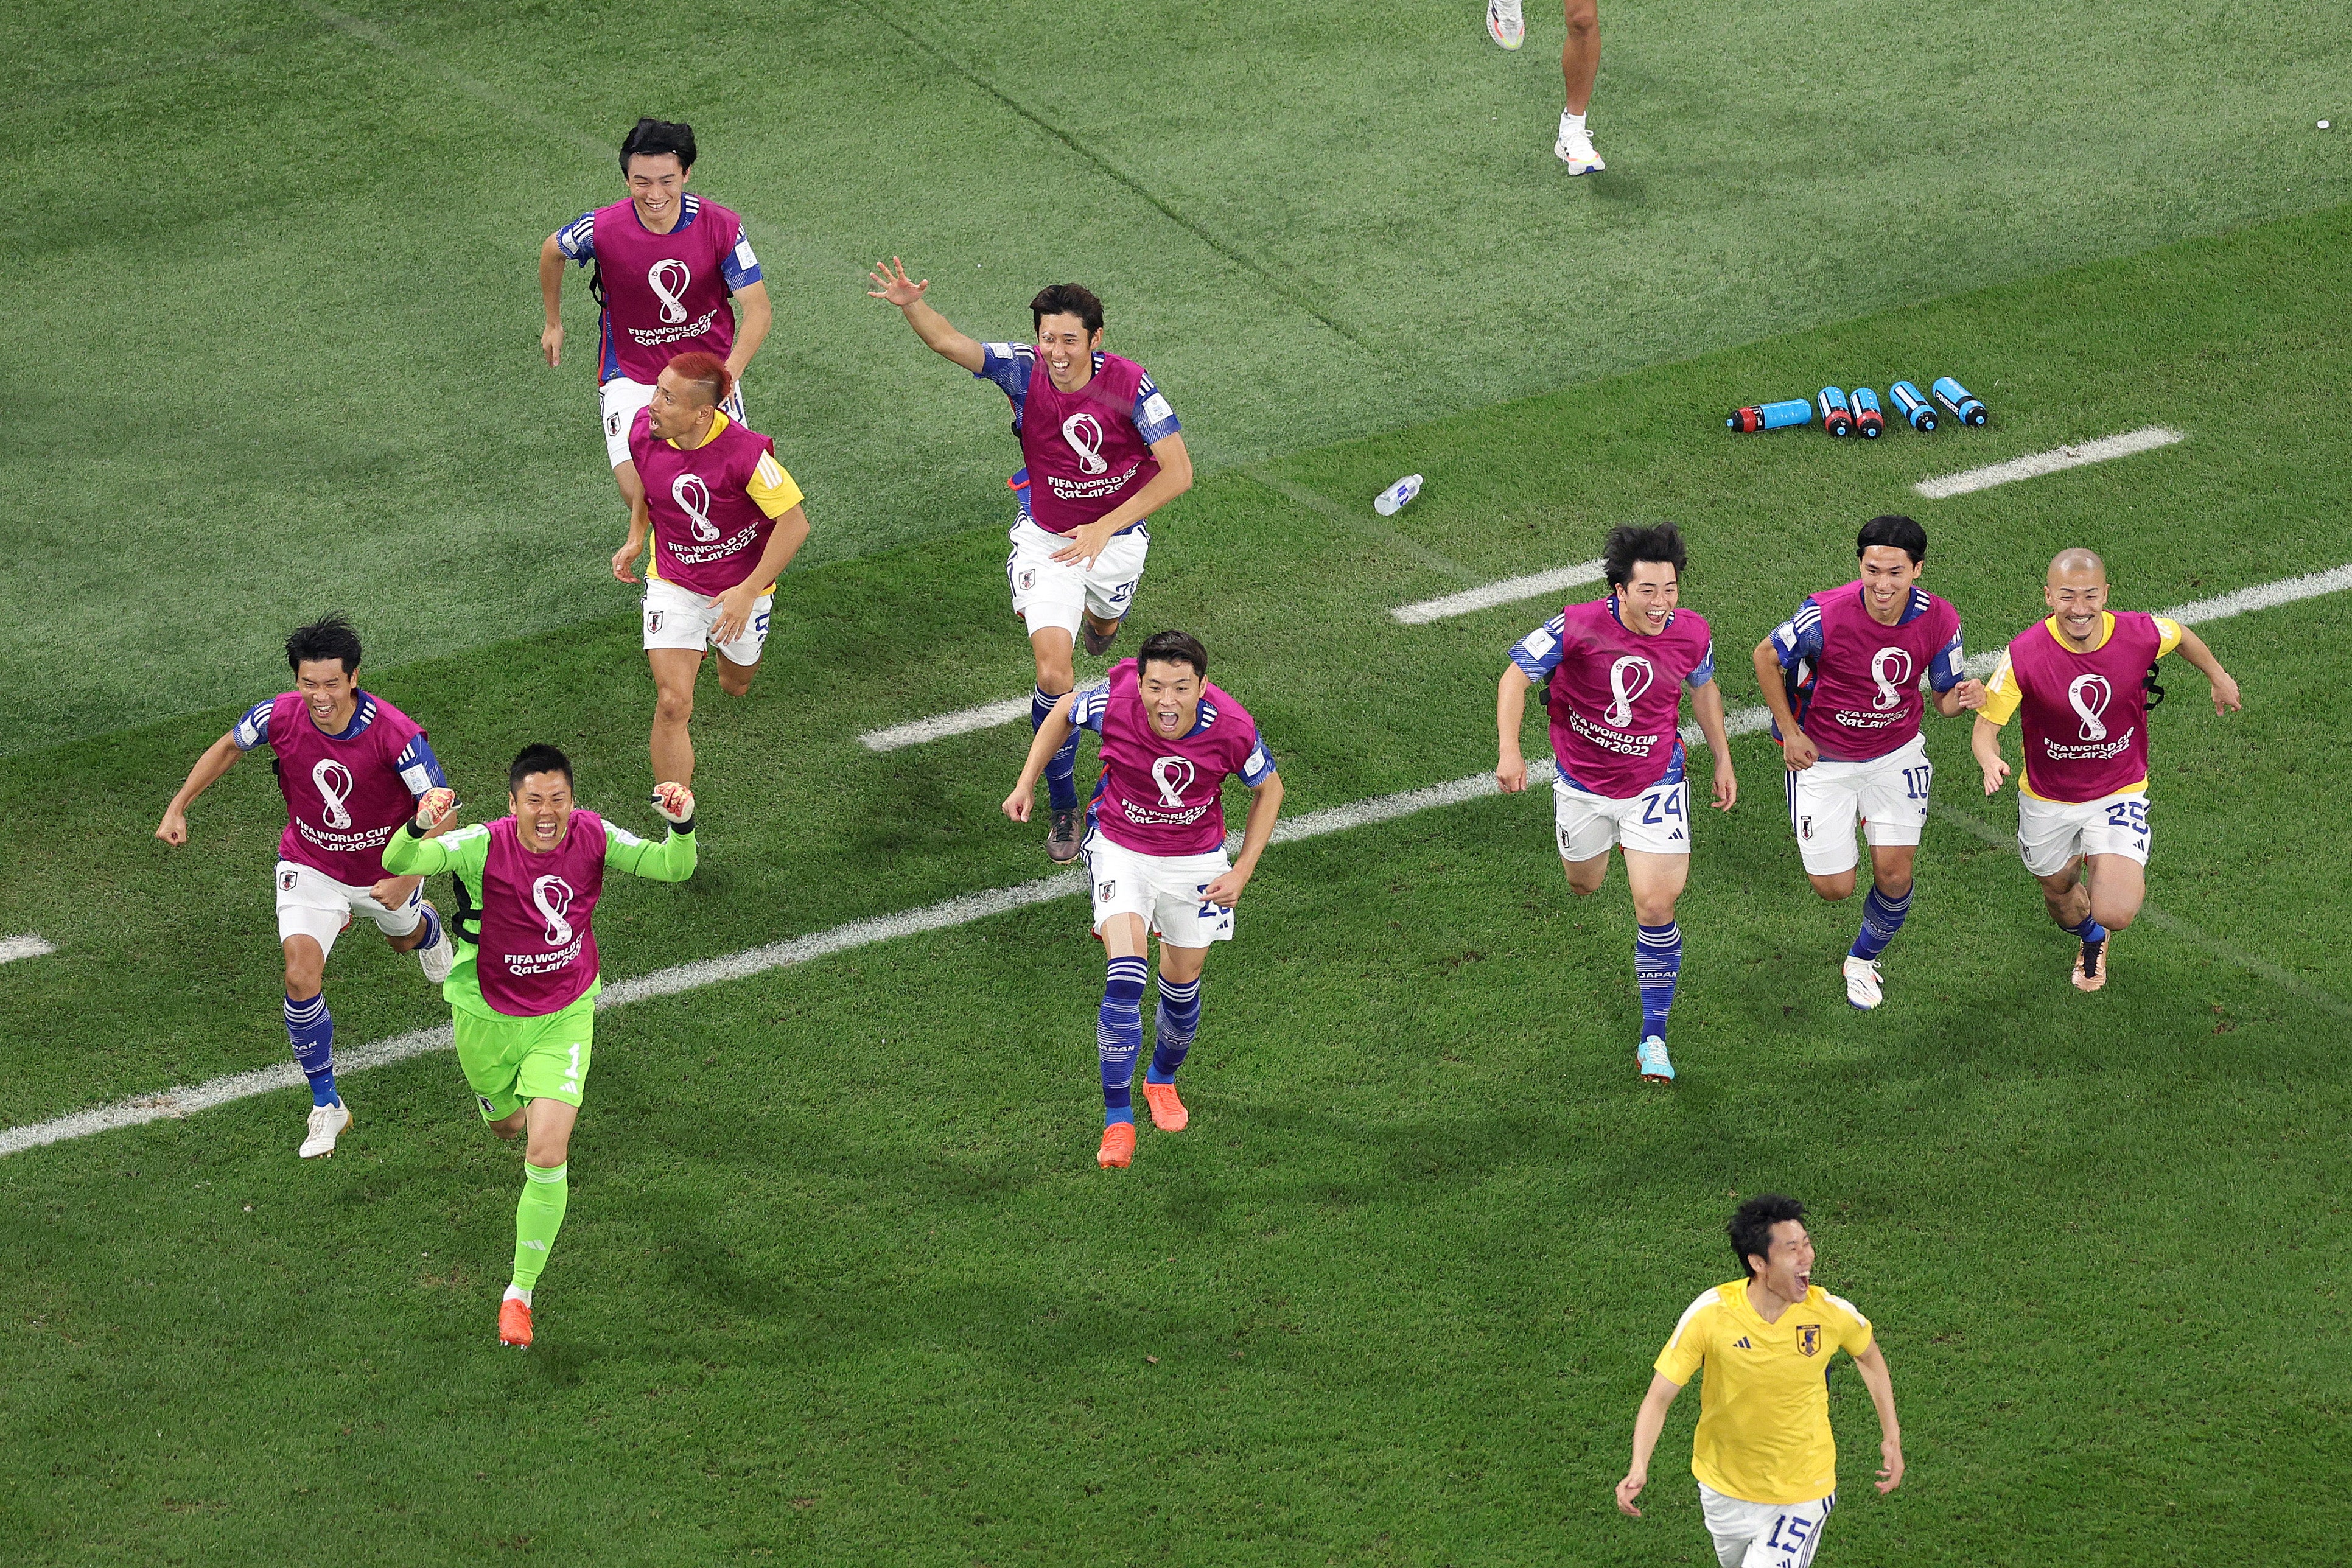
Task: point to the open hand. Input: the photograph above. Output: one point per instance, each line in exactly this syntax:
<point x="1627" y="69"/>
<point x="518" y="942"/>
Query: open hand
<point x="892" y="284"/>
<point x="1996" y="773"/>
<point x="550" y="344"/>
<point x="734" y="613"/>
<point x="1083" y="545"/>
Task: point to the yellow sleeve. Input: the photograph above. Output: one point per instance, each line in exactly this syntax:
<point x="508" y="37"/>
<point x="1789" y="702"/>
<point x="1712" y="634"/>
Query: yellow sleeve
<point x="2002" y="693"/>
<point x="772" y="488"/>
<point x="1686" y="1348"/>
<point x="1855" y="1334"/>
<point x="2169" y="629"/>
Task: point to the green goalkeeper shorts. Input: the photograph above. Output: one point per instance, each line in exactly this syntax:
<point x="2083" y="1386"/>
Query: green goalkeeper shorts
<point x="510" y="1060"/>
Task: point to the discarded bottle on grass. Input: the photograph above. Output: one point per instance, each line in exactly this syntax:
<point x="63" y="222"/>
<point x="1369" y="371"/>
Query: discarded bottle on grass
<point x="1770" y="416"/>
<point x="1836" y="418"/>
<point x="1916" y="408"/>
<point x="1868" y="422"/>
<point x="1390" y="502"/>
<point x="1962" y="404"/>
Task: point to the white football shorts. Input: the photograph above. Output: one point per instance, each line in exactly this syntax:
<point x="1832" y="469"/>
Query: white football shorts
<point x="1164" y="890"/>
<point x="1050" y="592"/>
<point x="2050" y="833"/>
<point x="311" y="903"/>
<point x="1656" y="821"/>
<point x="679" y="617"/>
<point x="622" y="397"/>
<point x="1889" y="793"/>
<point x="1763" y="1534"/>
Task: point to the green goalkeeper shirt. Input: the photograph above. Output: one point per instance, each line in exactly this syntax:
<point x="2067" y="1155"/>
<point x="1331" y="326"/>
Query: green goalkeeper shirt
<point x="462" y="853"/>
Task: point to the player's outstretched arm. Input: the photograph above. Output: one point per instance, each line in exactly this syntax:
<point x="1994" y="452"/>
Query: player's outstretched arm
<point x="218" y="759"/>
<point x="551" y="262"/>
<point x="2225" y="687"/>
<point x="1648" y="1422"/>
<point x="1510" y="714"/>
<point x="671" y="860"/>
<point x="939" y="334"/>
<point x="1042" y="746"/>
<point x="1265" y="805"/>
<point x="1984" y="743"/>
<point x="1874" y="1377"/>
<point x="419" y="849"/>
<point x="1706" y="707"/>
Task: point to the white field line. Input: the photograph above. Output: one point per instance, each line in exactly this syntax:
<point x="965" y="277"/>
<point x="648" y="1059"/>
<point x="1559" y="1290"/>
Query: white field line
<point x="1509" y="589"/>
<point x="31" y="946"/>
<point x="2039" y="463"/>
<point x="987" y="716"/>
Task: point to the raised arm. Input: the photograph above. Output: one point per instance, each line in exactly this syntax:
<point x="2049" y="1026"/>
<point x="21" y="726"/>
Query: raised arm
<point x="2225" y="687"/>
<point x="1048" y="740"/>
<point x="216" y="759"/>
<point x="1648" y="1422"/>
<point x="551" y="262"/>
<point x="1511" y="716"/>
<point x="939" y="334"/>
<point x="1706" y="707"/>
<point x="1873" y="1367"/>
<point x="432" y="842"/>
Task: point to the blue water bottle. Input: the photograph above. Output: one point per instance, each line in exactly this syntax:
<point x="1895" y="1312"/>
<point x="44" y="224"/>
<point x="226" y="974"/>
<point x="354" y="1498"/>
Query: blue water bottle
<point x="1836" y="418"/>
<point x="1770" y="416"/>
<point x="1962" y="403"/>
<point x="1868" y="422"/>
<point x="1916" y="408"/>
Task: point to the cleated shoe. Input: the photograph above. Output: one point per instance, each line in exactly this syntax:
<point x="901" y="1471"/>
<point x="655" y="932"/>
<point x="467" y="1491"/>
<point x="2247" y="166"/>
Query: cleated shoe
<point x="1118" y="1146"/>
<point x="437" y="959"/>
<point x="1656" y="1065"/>
<point x="1096" y="642"/>
<point x="1862" y="986"/>
<point x="1507" y="24"/>
<point x="1062" y="838"/>
<point x="327" y="1124"/>
<point x="514" y="1323"/>
<point x="2091" y="965"/>
<point x="1168" y="1112"/>
<point x="1575" y="149"/>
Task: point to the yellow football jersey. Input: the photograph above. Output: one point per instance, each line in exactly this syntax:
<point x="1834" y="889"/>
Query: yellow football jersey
<point x="1764" y="1409"/>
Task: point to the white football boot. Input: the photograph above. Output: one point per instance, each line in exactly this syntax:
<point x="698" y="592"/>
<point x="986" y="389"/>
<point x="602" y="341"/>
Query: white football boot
<point x="438" y="958"/>
<point x="1574" y="149"/>
<point x="1505" y="24"/>
<point x="1861" y="984"/>
<point x="327" y="1124"/>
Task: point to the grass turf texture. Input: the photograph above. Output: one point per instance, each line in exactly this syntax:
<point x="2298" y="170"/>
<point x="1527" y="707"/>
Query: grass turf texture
<point x="295" y="245"/>
<point x="839" y="1281"/>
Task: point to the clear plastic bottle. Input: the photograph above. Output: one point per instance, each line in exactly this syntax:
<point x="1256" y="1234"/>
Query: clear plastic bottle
<point x="1390" y="501"/>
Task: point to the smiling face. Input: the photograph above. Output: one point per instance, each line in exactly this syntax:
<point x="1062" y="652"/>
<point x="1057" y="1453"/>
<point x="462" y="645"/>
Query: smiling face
<point x="329" y="690"/>
<point x="2076" y="593"/>
<point x="1068" y="349"/>
<point x="1887" y="575"/>
<point x="1170" y="691"/>
<point x="542" y="811"/>
<point x="1646" y="598"/>
<point x="657" y="183"/>
<point x="1788" y="1269"/>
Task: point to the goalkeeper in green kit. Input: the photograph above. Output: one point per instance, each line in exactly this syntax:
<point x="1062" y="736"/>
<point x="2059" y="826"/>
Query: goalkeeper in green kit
<point x="522" y="992"/>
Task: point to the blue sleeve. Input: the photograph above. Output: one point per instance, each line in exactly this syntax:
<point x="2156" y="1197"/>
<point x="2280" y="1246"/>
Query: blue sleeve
<point x="577" y="239"/>
<point x="1705" y="670"/>
<point x="418" y="768"/>
<point x="741" y="269"/>
<point x="1799" y="636"/>
<point x="253" y="729"/>
<point x="1538" y="652"/>
<point x="1087" y="712"/>
<point x="1949" y="667"/>
<point x="1258" y="766"/>
<point x="1154" y="420"/>
<point x="1008" y="365"/>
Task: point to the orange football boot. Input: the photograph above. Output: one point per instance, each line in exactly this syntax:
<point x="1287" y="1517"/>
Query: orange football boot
<point x="514" y="1323"/>
<point x="1118" y="1146"/>
<point x="2091" y="980"/>
<point x="1168" y="1112"/>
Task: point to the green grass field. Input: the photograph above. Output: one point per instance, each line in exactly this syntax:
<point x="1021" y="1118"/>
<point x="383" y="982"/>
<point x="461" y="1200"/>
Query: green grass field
<point x="840" y="1282"/>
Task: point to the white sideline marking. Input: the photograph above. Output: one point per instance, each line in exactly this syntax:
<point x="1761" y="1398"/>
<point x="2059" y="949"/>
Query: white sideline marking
<point x="987" y="716"/>
<point x="2039" y="463"/>
<point x="1503" y="593"/>
<point x="963" y="910"/>
<point x="13" y="948"/>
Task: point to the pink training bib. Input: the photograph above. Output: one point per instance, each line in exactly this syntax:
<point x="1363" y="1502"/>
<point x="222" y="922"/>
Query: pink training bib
<point x="538" y="950"/>
<point x="345" y="799"/>
<point x="1616" y="696"/>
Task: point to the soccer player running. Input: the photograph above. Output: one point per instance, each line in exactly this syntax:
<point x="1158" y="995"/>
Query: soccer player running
<point x="1102" y="452"/>
<point x="350" y="765"/>
<point x="1763" y="1455"/>
<point x="1842" y="678"/>
<point x="523" y="993"/>
<point x="1579" y="63"/>
<point x="1615" y="670"/>
<point x="1156" y="854"/>
<point x="726" y="519"/>
<point x="666" y="263"/>
<point x="2082" y="681"/>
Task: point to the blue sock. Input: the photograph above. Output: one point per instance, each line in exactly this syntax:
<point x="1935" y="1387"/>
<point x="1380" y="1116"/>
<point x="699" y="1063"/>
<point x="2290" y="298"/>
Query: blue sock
<point x="311" y="1030"/>
<point x="1118" y="1034"/>
<point x="1179" y="1020"/>
<point x="1657" y="962"/>
<point x="1061" y="773"/>
<point x="2089" y="933"/>
<point x="1882" y="917"/>
<point x="431" y="930"/>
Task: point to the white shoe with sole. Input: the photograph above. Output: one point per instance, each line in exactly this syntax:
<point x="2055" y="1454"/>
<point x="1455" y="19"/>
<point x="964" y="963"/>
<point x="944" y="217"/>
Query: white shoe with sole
<point x="1574" y="149"/>
<point x="1505" y="22"/>
<point x="327" y="1124"/>
<point x="436" y="959"/>
<point x="1861" y="983"/>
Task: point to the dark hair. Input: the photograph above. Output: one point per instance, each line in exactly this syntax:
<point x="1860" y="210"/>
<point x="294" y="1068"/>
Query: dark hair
<point x="538" y="758"/>
<point x="1628" y="542"/>
<point x="1173" y="647"/>
<point x="652" y="137"/>
<point x="1751" y="1226"/>
<point x="704" y="369"/>
<point x="1066" y="300"/>
<point x="329" y="637"/>
<point x="1895" y="532"/>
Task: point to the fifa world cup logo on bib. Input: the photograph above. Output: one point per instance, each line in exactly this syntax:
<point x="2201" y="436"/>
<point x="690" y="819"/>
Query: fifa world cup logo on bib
<point x="1628" y="678"/>
<point x="1173" y="775"/>
<point x="553" y="895"/>
<point x="2090" y="695"/>
<point x="1085" y="435"/>
<point x="693" y="497"/>
<point x="334" y="782"/>
<point x="669" y="279"/>
<point x="1891" y="668"/>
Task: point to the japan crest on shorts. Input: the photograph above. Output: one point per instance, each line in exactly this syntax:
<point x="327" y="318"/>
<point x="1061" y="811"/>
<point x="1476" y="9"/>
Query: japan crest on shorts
<point x="1808" y="1338"/>
<point x="1805" y="829"/>
<point x="1028" y="578"/>
<point x="285" y="880"/>
<point x="653" y="621"/>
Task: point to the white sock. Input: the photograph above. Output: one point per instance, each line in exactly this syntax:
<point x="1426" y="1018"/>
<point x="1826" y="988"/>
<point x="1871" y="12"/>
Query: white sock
<point x="1571" y="124"/>
<point x="517" y="1293"/>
